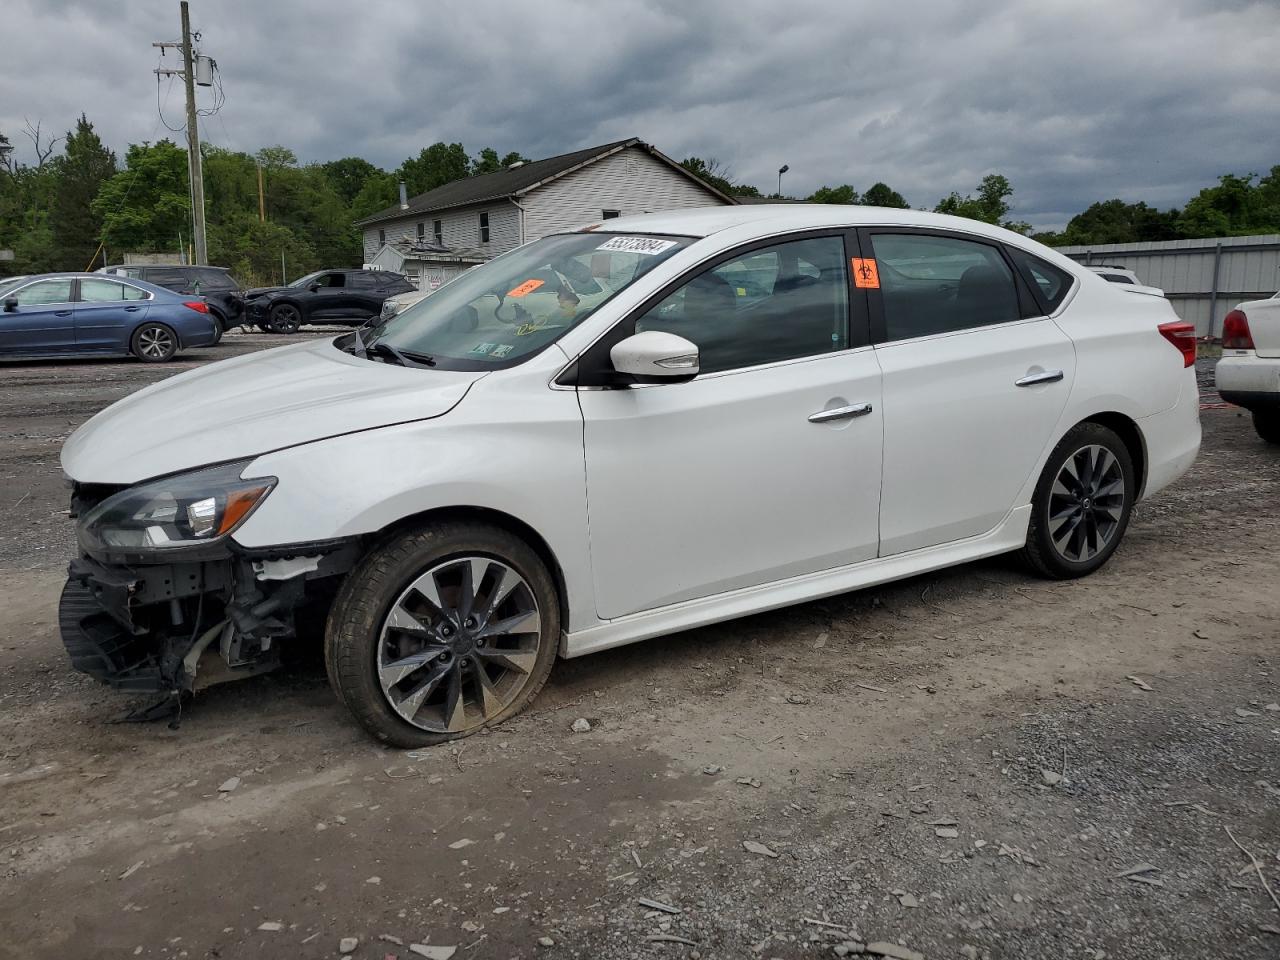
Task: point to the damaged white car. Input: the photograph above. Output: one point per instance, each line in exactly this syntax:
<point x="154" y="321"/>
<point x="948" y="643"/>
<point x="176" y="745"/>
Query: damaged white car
<point x="601" y="437"/>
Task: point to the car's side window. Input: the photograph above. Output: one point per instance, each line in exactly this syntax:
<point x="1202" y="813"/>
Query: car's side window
<point x="774" y="303"/>
<point x="331" y="280"/>
<point x="364" y="281"/>
<point x="102" y="291"/>
<point x="939" y="284"/>
<point x="46" y="291"/>
<point x="1052" y="283"/>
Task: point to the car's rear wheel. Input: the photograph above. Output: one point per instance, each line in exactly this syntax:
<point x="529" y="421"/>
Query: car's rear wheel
<point x="154" y="343"/>
<point x="1082" y="503"/>
<point x="441" y="632"/>
<point x="1268" y="425"/>
<point x="285" y="318"/>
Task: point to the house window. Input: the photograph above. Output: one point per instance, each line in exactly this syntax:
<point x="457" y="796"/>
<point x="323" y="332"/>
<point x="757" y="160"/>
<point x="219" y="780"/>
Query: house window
<point x="437" y="230"/>
<point x="422" y="230"/>
<point x="382" y="237"/>
<point x="610" y="214"/>
<point x="484" y="228"/>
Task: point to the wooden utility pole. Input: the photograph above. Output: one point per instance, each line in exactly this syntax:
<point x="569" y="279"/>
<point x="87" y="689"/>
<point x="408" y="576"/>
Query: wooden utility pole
<point x="195" y="165"/>
<point x="262" y="203"/>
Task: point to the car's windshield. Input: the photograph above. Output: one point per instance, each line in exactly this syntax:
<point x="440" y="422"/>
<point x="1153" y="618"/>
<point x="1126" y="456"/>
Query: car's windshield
<point x="303" y="281"/>
<point x="510" y="308"/>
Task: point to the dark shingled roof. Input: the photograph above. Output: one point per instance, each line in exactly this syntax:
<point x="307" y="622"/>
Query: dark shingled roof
<point x="517" y="180"/>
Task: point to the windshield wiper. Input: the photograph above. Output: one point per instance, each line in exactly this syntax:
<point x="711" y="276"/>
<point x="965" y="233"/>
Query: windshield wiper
<point x="399" y="356"/>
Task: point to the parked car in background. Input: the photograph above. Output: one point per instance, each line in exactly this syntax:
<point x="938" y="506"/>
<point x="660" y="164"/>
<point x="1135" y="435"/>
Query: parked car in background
<point x="1248" y="374"/>
<point x="326" y="296"/>
<point x="216" y="284"/>
<point x="474" y="488"/>
<point x="81" y="314"/>
<point x="1125" y="276"/>
<point x="402" y="301"/>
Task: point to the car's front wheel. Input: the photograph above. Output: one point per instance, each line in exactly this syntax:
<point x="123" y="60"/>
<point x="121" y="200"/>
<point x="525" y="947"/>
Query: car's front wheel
<point x="1268" y="425"/>
<point x="154" y="343"/>
<point x="442" y="631"/>
<point x="1082" y="503"/>
<point x="285" y="318"/>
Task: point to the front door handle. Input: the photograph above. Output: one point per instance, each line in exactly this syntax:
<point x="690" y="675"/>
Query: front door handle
<point x="1044" y="376"/>
<point x="62" y="313"/>
<point x="840" y="413"/>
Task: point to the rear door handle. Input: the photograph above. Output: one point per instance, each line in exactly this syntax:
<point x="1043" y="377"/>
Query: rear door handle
<point x="1044" y="376"/>
<point x="133" y="309"/>
<point x="840" y="413"/>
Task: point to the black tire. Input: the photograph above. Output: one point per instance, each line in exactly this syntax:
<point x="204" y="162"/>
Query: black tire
<point x="1268" y="425"/>
<point x="154" y="343"/>
<point x="353" y="634"/>
<point x="1100" y="525"/>
<point x="285" y="318"/>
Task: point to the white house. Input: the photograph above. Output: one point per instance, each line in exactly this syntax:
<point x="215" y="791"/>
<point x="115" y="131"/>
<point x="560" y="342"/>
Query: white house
<point x="490" y="214"/>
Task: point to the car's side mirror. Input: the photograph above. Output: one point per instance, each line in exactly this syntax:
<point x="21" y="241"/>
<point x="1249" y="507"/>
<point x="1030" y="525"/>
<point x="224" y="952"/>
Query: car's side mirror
<point x="313" y="287"/>
<point x="656" y="357"/>
<point x="10" y="304"/>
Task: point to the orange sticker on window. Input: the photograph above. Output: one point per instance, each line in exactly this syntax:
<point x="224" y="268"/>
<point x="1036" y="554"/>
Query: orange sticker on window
<point x="525" y="288"/>
<point x="865" y="274"/>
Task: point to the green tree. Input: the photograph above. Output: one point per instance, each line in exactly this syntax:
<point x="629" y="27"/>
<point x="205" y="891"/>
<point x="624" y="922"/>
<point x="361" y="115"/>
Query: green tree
<point x="1236" y="206"/>
<point x="1114" y="221"/>
<point x="434" y="166"/>
<point x="146" y="206"/>
<point x="719" y="175"/>
<point x="253" y="249"/>
<point x="379" y="192"/>
<point x="991" y="205"/>
<point x="349" y="175"/>
<point x="841" y="194"/>
<point x="86" y="165"/>
<point x="27" y="195"/>
<point x="880" y="194"/>
<point x="488" y="161"/>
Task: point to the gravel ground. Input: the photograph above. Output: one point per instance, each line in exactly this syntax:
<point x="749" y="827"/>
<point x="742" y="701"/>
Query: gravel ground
<point x="958" y="765"/>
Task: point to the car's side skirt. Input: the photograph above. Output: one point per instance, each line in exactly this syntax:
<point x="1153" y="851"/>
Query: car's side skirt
<point x="1011" y="534"/>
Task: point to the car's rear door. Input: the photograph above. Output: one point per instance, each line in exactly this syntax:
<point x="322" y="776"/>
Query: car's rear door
<point x="975" y="380"/>
<point x="764" y="467"/>
<point x="106" y="312"/>
<point x="42" y="320"/>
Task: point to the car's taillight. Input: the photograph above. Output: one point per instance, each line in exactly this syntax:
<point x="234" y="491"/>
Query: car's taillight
<point x="1235" y="331"/>
<point x="1183" y="336"/>
<point x="199" y="306"/>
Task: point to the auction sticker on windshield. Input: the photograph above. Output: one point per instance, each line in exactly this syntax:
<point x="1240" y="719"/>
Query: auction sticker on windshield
<point x="645" y="245"/>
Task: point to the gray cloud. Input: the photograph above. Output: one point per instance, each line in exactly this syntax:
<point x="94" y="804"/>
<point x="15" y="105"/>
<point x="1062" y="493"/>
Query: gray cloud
<point x="1074" y="100"/>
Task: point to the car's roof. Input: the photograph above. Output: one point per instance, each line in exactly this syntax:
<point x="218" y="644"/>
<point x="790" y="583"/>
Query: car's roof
<point x="770" y="218"/>
<point x="74" y="274"/>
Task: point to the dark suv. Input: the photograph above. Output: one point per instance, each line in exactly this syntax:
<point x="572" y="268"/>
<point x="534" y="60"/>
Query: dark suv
<point x="219" y="289"/>
<point x="326" y="296"/>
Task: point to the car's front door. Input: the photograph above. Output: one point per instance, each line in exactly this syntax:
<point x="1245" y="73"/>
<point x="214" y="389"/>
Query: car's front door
<point x="41" y="321"/>
<point x="975" y="380"/>
<point x="764" y="467"/>
<point x="107" y="312"/>
<point x="332" y="299"/>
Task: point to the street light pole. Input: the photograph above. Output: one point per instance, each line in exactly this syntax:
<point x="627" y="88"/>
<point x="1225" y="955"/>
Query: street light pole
<point x="781" y="170"/>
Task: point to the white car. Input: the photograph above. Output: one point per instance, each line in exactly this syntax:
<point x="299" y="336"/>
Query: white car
<point x="616" y="433"/>
<point x="1249" y="372"/>
<point x="1127" y="277"/>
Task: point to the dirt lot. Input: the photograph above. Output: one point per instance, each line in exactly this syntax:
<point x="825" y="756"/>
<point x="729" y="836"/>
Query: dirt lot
<point x="963" y="764"/>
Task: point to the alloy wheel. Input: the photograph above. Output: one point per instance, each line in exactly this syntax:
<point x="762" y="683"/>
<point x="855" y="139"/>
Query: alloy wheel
<point x="1086" y="503"/>
<point x="155" y="343"/>
<point x="459" y="644"/>
<point x="286" y="319"/>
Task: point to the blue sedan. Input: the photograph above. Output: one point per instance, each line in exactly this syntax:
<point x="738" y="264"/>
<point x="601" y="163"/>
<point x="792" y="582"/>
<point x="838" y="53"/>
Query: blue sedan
<point x="57" y="315"/>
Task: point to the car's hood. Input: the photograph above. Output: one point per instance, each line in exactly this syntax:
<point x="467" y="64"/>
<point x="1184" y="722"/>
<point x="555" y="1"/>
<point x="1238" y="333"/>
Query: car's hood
<point x="262" y="291"/>
<point x="251" y="405"/>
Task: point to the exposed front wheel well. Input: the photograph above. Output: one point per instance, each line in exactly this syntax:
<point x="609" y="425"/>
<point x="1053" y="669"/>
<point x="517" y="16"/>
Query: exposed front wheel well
<point x="1127" y="430"/>
<point x="495" y="518"/>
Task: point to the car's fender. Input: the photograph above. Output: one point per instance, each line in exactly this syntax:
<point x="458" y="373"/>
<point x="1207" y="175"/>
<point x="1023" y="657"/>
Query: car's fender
<point x="513" y="446"/>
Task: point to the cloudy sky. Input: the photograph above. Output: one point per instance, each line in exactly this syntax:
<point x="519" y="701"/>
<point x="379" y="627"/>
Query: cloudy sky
<point x="1073" y="100"/>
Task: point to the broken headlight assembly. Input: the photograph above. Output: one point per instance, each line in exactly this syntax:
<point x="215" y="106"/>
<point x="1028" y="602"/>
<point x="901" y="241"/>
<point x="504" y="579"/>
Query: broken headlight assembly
<point x="175" y="512"/>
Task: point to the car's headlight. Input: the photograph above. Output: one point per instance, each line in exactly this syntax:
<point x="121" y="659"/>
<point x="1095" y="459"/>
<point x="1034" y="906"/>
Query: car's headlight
<point x="182" y="511"/>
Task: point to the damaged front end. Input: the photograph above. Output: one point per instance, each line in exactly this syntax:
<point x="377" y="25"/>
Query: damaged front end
<point x="161" y="600"/>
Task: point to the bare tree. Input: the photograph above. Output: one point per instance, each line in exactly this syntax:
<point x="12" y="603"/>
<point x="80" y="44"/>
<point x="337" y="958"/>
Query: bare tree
<point x="43" y="151"/>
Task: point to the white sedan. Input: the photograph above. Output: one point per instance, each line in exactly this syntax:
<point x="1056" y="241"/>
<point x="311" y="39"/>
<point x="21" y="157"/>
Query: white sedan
<point x="612" y="434"/>
<point x="1248" y="374"/>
